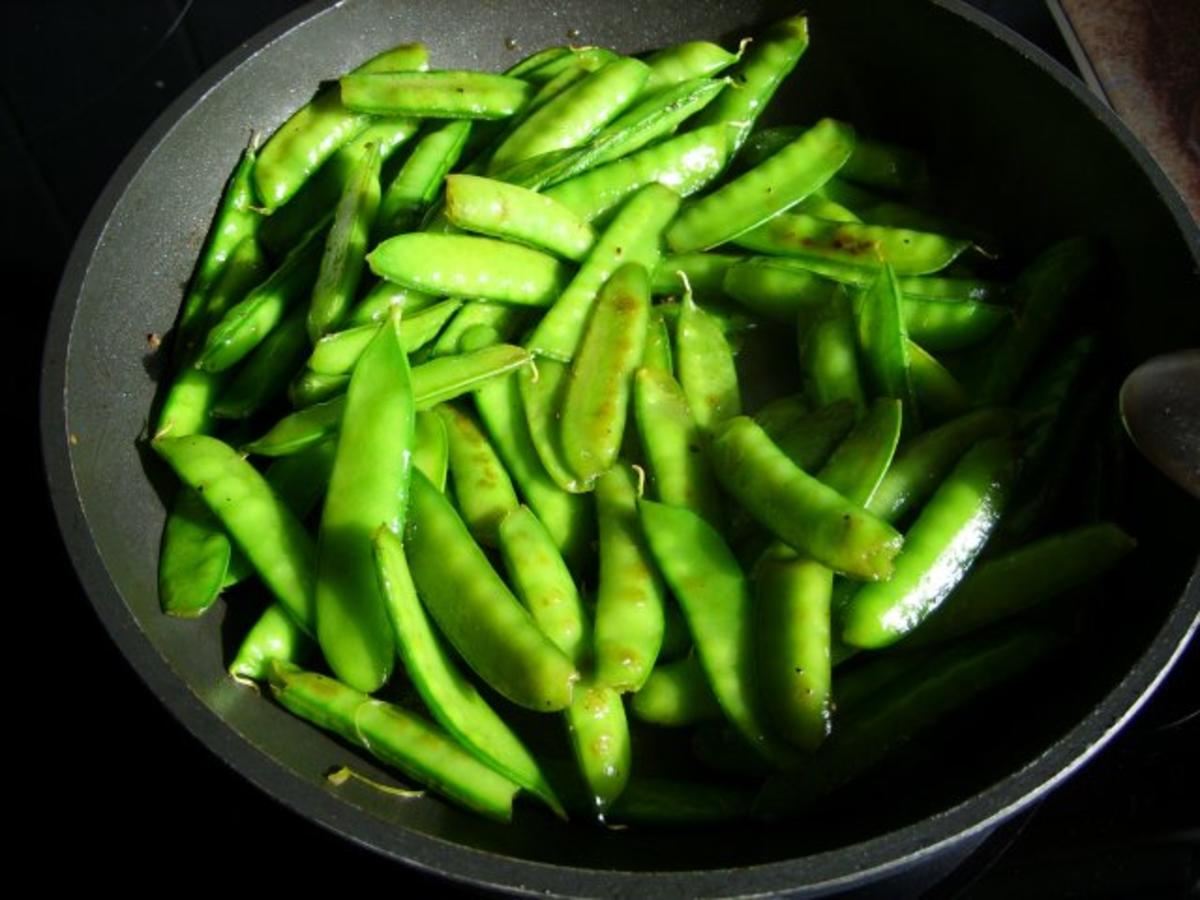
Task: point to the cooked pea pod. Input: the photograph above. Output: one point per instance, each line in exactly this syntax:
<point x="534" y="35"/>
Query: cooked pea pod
<point x="707" y="372"/>
<point x="467" y="266"/>
<point x="883" y="341"/>
<point x="875" y="163"/>
<point x="677" y="694"/>
<point x="194" y="557"/>
<point x="543" y="389"/>
<point x="705" y="273"/>
<point x="513" y="213"/>
<point x="551" y="65"/>
<point x="264" y="374"/>
<point x="506" y="321"/>
<point x="938" y="549"/>
<point x="274" y="636"/>
<point x="309" y="388"/>
<point x="687" y="60"/>
<point x="482" y="489"/>
<point x="475" y="610"/>
<point x="378" y="303"/>
<point x="600" y="737"/>
<point x="420" y="178"/>
<point x="829" y="354"/>
<point x="771" y="187"/>
<point x="443" y="94"/>
<point x="804" y="513"/>
<point x="336" y="354"/>
<point x="450" y="697"/>
<point x="810" y="440"/>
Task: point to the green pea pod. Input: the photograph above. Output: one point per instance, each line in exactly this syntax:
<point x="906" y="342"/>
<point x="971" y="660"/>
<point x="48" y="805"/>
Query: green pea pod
<point x="261" y="525"/>
<point x="629" y="594"/>
<point x="345" y="247"/>
<point x="596" y="401"/>
<point x="799" y="235"/>
<point x="247" y="323"/>
<point x="507" y="321"/>
<point x="367" y="489"/>
<point x="757" y="76"/>
<point x="482" y="489"/>
<point x="336" y="354"/>
<point x="265" y="373"/>
<point x="658" y="355"/>
<point x="576" y="114"/>
<point x="475" y="610"/>
<point x="553" y="64"/>
<point x="274" y="636"/>
<point x="938" y="549"/>
<point x="937" y="393"/>
<point x="599" y="734"/>
<point x="776" y="292"/>
<point x="674" y="446"/>
<point x="431" y="450"/>
<point x="707" y="372"/>
<point x="416" y="747"/>
<point x="715" y="597"/>
<point x="883" y="341"/>
<point x="924" y="461"/>
<point x="824" y="208"/>
<point x="419" y="179"/>
<point x="801" y="511"/>
<point x="811" y="439"/>
<point x="565" y="515"/>
<point x="443" y="94"/>
<point x="886" y="166"/>
<point x="317" y="130"/>
<point x="513" y="213"/>
<point x="194" y="557"/>
<point x="685" y="163"/>
<point x="310" y="388"/>
<point x="677" y="694"/>
<point x="542" y="581"/>
<point x="705" y="272"/>
<point x="829" y="354"/>
<point x="543" y="390"/>
<point x="528" y="67"/>
<point x="1044" y="569"/>
<point x="771" y="187"/>
<point x="781" y="414"/>
<point x="677" y="641"/>
<point x="378" y="303"/>
<point x="450" y="697"/>
<point x="466" y="266"/>
<point x="632" y="236"/>
<point x="950" y="325"/>
<point x="690" y="59"/>
<point x="915" y="701"/>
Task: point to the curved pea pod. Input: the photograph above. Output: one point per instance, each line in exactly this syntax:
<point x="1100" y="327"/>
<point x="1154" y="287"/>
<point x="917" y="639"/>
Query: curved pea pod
<point x="274" y="636"/>
<point x="418" y="748"/>
<point x="829" y="354"/>
<point x="883" y="341"/>
<point x="677" y="694"/>
<point x="950" y="325"/>
<point x="938" y="394"/>
<point x="482" y="489"/>
<point x="689" y="59"/>
<point x="265" y="373"/>
<point x="757" y="76"/>
<point x="859" y="464"/>
<point x="938" y="549"/>
<point x="705" y="273"/>
<point x="801" y="511"/>
<point x="194" y="557"/>
<point x="779" y="182"/>
<point x="685" y="163"/>
<point x="431" y="450"/>
<point x="715" y="597"/>
<point x="378" y="303"/>
<point x="367" y="488"/>
<point x="595" y="404"/>
<point x="543" y="388"/>
<point x="345" y="247"/>
<point x="599" y="735"/>
<point x="513" y="213"/>
<point x="475" y="610"/>
<point x="336" y="353"/>
<point x="565" y="515"/>
<point x="630" y="617"/>
<point x="467" y="266"/>
<point x="915" y="701"/>
<point x="707" y="372"/>
<point x="248" y="322"/>
<point x="1041" y="294"/>
<point x="674" y="446"/>
<point x="452" y="699"/>
<point x="441" y="94"/>
<point x="264" y="529"/>
<point x="318" y="129"/>
<point x="576" y="114"/>
<point x="419" y="179"/>
<point x="909" y="252"/>
<point x="310" y="388"/>
<point x="633" y="235"/>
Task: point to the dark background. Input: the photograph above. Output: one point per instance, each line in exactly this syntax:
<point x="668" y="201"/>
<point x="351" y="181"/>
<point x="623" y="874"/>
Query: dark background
<point x="79" y="83"/>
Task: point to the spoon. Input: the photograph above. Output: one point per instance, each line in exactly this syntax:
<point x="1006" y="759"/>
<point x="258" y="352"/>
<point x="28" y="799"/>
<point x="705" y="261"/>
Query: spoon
<point x="1160" y="406"/>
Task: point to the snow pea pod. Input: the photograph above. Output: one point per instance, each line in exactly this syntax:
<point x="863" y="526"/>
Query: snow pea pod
<point x="685" y="163"/>
<point x="431" y="451"/>
<point x="377" y="304"/>
<point x="629" y="595"/>
<point x="950" y="325"/>
<point x="889" y="167"/>
<point x="757" y="76"/>
<point x="779" y="182"/>
<point x="310" y="388"/>
<point x="482" y="489"/>
<point x="543" y="389"/>
<point x="938" y="549"/>
<point x="194" y="557"/>
<point x="883" y="342"/>
<point x="829" y="354"/>
<point x="420" y="178"/>
<point x="804" y="513"/>
<point x="368" y="488"/>
<point x="264" y="529"/>
<point x="345" y="247"/>
<point x="554" y="64"/>
<point x="316" y="131"/>
<point x="513" y="213"/>
<point x="796" y="234"/>
<point x="336" y="354"/>
<point x="707" y="372"/>
<point x="274" y="636"/>
<point x="705" y="273"/>
<point x="441" y="94"/>
<point x="677" y="694"/>
<point x="466" y="266"/>
<point x="674" y="446"/>
<point x="475" y="610"/>
<point x="265" y="373"/>
<point x="507" y="321"/>
<point x="657" y="354"/>
<point x="596" y="400"/>
<point x="599" y="734"/>
<point x="688" y="60"/>
<point x="810" y="440"/>
<point x="452" y="699"/>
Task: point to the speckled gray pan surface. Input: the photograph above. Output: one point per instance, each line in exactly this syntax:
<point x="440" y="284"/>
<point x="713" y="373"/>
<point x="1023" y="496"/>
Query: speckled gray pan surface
<point x="1021" y="148"/>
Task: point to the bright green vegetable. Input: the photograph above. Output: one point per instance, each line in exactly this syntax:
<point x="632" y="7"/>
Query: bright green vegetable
<point x="443" y="94"/>
<point x="677" y="694"/>
<point x="483" y="491"/>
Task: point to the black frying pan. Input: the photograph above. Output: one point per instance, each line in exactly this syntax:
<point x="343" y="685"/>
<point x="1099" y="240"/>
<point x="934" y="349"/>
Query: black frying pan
<point x="1018" y="145"/>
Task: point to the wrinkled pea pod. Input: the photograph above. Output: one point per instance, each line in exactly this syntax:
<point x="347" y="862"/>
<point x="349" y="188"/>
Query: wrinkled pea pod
<point x="483" y="492"/>
<point x="707" y="372"/>
<point x="500" y="210"/>
<point x="316" y="131"/>
<point x="336" y="354"/>
<point x="419" y="179"/>
<point x="687" y="60"/>
<point x="265" y="373"/>
<point x="677" y="694"/>
<point x="443" y="94"/>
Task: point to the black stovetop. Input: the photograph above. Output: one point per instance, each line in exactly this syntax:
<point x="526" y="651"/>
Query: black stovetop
<point x="79" y="83"/>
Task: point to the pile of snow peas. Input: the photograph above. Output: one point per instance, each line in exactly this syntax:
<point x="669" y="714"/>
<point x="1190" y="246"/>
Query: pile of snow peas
<point x="461" y="380"/>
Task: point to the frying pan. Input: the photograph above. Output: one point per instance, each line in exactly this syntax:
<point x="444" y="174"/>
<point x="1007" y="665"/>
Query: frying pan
<point x="1018" y="147"/>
